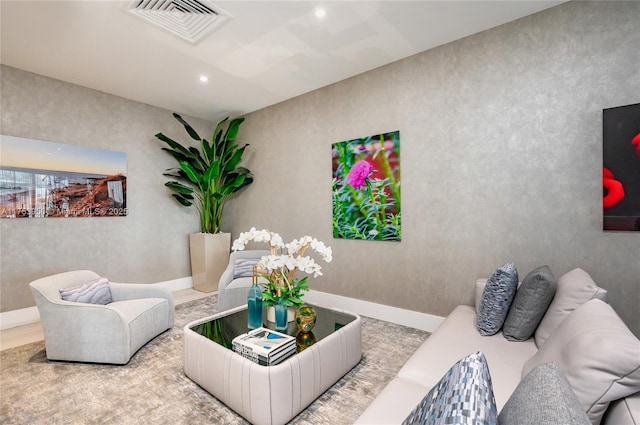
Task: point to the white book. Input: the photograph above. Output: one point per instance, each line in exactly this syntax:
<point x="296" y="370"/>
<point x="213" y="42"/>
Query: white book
<point x="264" y="343"/>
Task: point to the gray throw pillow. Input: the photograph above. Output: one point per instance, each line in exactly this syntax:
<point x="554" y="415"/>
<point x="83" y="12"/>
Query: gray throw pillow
<point x="243" y="267"/>
<point x="496" y="299"/>
<point x="544" y="396"/>
<point x="530" y="304"/>
<point x="94" y="292"/>
<point x="464" y="396"/>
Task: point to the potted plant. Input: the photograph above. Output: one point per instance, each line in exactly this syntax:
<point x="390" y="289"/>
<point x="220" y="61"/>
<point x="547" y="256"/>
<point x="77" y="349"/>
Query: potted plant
<point x="205" y="179"/>
<point x="282" y="289"/>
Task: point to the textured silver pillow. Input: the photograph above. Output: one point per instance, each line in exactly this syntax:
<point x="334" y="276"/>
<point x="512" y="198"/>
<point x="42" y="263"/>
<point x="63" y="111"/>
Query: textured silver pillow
<point x="243" y="267"/>
<point x="464" y="396"/>
<point x="530" y="304"/>
<point x="496" y="299"/>
<point x="94" y="292"/>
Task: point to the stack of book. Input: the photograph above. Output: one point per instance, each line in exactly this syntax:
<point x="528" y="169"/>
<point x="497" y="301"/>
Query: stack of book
<point x="264" y="346"/>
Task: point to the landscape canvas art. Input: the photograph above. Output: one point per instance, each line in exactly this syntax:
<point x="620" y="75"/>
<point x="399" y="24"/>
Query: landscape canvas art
<point x="366" y="188"/>
<point x="621" y="168"/>
<point x="41" y="179"/>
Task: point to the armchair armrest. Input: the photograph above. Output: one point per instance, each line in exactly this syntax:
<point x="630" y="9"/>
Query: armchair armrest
<point x="132" y="291"/>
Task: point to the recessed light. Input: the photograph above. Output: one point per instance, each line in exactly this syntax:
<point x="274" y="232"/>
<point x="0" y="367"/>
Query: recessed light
<point x="204" y="78"/>
<point x="320" y="13"/>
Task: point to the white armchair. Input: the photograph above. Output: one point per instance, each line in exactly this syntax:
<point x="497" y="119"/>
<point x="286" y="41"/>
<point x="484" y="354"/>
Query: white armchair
<point x="111" y="333"/>
<point x="232" y="291"/>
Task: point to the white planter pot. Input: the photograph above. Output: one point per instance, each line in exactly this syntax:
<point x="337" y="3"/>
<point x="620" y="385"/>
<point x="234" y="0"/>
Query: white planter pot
<point x="209" y="257"/>
<point x="271" y="314"/>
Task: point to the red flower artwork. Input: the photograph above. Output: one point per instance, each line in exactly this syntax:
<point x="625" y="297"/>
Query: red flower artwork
<point x="615" y="190"/>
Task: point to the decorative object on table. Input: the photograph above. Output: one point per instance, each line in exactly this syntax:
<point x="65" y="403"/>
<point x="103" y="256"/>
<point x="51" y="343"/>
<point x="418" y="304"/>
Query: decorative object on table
<point x="254" y="303"/>
<point x="281" y="313"/>
<point x="366" y="188"/>
<point x="304" y="340"/>
<point x="279" y="269"/>
<point x="621" y="167"/>
<point x="264" y="346"/>
<point x="71" y="181"/>
<point x="305" y="318"/>
<point x="206" y="178"/>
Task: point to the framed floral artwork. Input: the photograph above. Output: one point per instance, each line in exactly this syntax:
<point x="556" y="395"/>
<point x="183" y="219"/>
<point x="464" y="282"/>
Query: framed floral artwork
<point x="621" y="168"/>
<point x="366" y="188"/>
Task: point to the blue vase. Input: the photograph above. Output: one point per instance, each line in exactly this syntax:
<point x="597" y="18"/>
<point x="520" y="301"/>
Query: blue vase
<point x="254" y="306"/>
<point x="281" y="317"/>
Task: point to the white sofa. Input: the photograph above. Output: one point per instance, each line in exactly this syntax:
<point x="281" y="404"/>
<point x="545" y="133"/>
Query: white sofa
<point x="457" y="337"/>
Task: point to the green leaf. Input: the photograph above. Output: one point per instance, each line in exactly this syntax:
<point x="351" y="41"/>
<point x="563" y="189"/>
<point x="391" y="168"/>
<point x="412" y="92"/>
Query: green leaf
<point x="239" y="180"/>
<point x="212" y="172"/>
<point x="173" y="144"/>
<point x="267" y="296"/>
<point x="217" y="139"/>
<point x="193" y="174"/>
<point x="232" y="130"/>
<point x="184" y="201"/>
<point x="187" y="127"/>
<point x="178" y="187"/>
<point x="237" y="156"/>
<point x="208" y="150"/>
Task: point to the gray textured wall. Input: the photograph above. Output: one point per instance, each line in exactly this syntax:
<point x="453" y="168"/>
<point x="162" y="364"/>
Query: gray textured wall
<point x="149" y="245"/>
<point x="501" y="150"/>
<point x="501" y="141"/>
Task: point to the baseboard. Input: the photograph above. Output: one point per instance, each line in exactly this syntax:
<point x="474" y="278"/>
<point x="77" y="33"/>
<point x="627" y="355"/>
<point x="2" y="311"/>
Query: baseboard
<point x="414" y="319"/>
<point x="25" y="316"/>
<point x="177" y="284"/>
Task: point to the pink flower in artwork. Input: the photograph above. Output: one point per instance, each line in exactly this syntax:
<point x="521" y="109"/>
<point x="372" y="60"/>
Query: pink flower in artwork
<point x="358" y="174"/>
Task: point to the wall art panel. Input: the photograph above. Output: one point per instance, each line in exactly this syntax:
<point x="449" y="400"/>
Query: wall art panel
<point x="621" y="168"/>
<point x="41" y="179"/>
<point x="366" y="188"/>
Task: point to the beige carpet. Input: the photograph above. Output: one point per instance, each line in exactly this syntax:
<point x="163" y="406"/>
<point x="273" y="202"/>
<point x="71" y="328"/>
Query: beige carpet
<point x="152" y="388"/>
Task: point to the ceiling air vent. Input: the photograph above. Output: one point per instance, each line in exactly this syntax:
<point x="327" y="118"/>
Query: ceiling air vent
<point x="188" y="19"/>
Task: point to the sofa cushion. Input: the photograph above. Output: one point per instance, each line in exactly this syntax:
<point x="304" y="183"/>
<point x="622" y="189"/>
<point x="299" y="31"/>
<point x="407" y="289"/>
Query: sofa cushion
<point x="464" y="395"/>
<point x="574" y="288"/>
<point x="456" y="337"/>
<point x="243" y="267"/>
<point x="94" y="292"/>
<point x="497" y="298"/>
<point x="529" y="304"/>
<point x="543" y="397"/>
<point x="598" y="354"/>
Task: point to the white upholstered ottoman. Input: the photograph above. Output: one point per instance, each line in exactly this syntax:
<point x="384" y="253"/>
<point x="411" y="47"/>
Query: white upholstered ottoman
<point x="272" y="394"/>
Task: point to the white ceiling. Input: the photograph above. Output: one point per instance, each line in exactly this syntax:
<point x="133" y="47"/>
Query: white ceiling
<point x="269" y="52"/>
